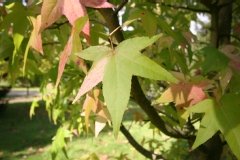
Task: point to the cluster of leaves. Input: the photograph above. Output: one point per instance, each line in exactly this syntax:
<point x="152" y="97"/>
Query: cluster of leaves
<point x="54" y="40"/>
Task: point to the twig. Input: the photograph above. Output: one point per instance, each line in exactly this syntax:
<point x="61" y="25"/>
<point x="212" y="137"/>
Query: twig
<point x="50" y="43"/>
<point x="138" y="147"/>
<point x="57" y="25"/>
<point x="124" y="2"/>
<point x="181" y="7"/>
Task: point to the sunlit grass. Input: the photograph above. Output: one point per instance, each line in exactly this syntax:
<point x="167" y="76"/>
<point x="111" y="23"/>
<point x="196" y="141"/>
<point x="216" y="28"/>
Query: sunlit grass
<point x="22" y="138"/>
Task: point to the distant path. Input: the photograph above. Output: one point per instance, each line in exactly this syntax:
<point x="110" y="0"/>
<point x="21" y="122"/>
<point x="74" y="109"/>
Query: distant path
<point x="21" y="95"/>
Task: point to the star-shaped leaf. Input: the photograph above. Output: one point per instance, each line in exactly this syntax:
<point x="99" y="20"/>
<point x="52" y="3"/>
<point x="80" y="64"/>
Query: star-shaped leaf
<point x="73" y="46"/>
<point x="183" y="94"/>
<point x="222" y="116"/>
<point x="115" y="67"/>
<point x="35" y="40"/>
<point x="52" y="10"/>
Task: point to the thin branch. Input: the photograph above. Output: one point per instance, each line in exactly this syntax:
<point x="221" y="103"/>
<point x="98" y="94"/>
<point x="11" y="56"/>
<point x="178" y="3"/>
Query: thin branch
<point x="50" y="43"/>
<point x="57" y="25"/>
<point x="137" y="93"/>
<point x="124" y="2"/>
<point x="138" y="147"/>
<point x="167" y="115"/>
<point x="97" y="21"/>
<point x="180" y="7"/>
<point x="154" y="117"/>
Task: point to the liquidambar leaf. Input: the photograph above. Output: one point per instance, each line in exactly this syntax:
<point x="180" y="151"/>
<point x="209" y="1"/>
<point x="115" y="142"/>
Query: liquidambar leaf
<point x="183" y="94"/>
<point x="88" y="105"/>
<point x="116" y="91"/>
<point x="116" y="72"/>
<point x="222" y="116"/>
<point x="73" y="45"/>
<point x="94" y="76"/>
<point x="52" y="10"/>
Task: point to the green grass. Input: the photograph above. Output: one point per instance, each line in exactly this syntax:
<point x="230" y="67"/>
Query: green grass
<point x="25" y="139"/>
<point x="18" y="132"/>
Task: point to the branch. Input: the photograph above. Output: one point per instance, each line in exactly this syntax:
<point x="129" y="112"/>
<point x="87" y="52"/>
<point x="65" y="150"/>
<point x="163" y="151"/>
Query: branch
<point x="137" y="93"/>
<point x="124" y="2"/>
<point x="138" y="147"/>
<point x="50" y="43"/>
<point x="154" y="117"/>
<point x="180" y="7"/>
<point x="57" y="25"/>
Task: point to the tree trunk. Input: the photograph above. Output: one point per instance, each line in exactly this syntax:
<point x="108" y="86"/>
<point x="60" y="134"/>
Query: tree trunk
<point x="221" y="19"/>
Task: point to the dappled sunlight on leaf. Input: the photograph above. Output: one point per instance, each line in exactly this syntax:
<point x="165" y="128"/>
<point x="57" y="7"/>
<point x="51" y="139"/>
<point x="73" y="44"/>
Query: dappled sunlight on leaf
<point x="183" y="94"/>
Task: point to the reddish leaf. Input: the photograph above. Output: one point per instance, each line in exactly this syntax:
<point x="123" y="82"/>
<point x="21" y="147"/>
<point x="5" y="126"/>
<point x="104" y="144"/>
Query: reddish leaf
<point x="88" y="105"/>
<point x="93" y="105"/>
<point x="73" y="45"/>
<point x="63" y="59"/>
<point x="50" y="12"/>
<point x="94" y="76"/>
<point x="72" y="9"/>
<point x="183" y="94"/>
<point x="36" y="39"/>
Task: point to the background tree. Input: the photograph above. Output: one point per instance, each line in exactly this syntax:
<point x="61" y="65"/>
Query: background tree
<point x="114" y="51"/>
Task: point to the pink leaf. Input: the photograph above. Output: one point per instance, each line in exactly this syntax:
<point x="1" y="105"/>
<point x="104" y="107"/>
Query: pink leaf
<point x="99" y="127"/>
<point x="50" y="12"/>
<point x="63" y="59"/>
<point x="36" y="39"/>
<point x="183" y="94"/>
<point x="94" y="77"/>
<point x="72" y="9"/>
<point x="73" y="45"/>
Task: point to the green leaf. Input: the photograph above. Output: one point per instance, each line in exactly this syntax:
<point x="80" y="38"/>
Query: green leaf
<point x="214" y="60"/>
<point x="7" y="46"/>
<point x="229" y="121"/>
<point x="148" y="20"/>
<point x="136" y="44"/>
<point x="18" y="18"/>
<point x="178" y="37"/>
<point x="117" y="70"/>
<point x="94" y="53"/>
<point x="59" y="143"/>
<point x="116" y="91"/>
<point x="222" y="117"/>
<point x="208" y="126"/>
<point x="141" y="65"/>
<point x="17" y="40"/>
<point x="34" y="105"/>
